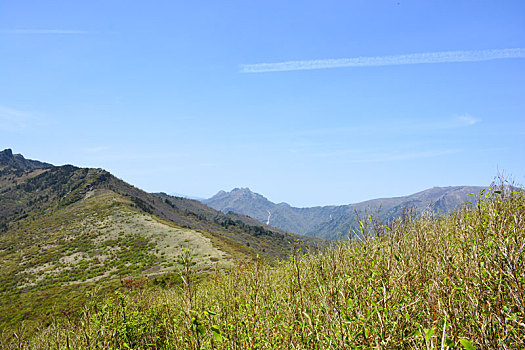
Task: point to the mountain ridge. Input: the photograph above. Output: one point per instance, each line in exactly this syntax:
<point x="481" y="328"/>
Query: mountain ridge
<point x="7" y="158"/>
<point x="65" y="228"/>
<point x="37" y="176"/>
<point x="334" y="221"/>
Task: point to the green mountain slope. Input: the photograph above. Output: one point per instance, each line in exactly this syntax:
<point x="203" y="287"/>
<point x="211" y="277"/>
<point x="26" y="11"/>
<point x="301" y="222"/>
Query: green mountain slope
<point x="456" y="282"/>
<point x="333" y="222"/>
<point x="64" y="229"/>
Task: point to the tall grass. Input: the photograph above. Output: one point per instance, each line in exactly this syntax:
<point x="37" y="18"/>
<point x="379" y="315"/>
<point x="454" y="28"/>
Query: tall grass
<point x="452" y="282"/>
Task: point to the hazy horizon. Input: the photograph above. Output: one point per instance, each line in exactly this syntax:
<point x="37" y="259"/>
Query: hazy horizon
<point x="307" y="103"/>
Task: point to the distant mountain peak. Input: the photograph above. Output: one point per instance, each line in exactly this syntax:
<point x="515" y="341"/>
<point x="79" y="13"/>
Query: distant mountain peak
<point x="333" y="221"/>
<point x="242" y="189"/>
<point x="245" y="192"/>
<point x="17" y="161"/>
<point x="239" y="192"/>
<point x="239" y="197"/>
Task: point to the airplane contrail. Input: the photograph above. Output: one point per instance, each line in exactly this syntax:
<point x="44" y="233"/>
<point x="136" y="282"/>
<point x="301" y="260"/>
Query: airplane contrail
<point x="416" y="58"/>
<point x="43" y="31"/>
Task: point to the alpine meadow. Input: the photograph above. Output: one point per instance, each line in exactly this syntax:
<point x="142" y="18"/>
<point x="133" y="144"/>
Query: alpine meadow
<point x="272" y="175"/>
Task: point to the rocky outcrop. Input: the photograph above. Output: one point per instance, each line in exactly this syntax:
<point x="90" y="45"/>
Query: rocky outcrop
<point x="17" y="161"/>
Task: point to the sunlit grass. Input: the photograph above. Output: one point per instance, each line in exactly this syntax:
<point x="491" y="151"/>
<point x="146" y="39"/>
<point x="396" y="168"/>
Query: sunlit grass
<point x="452" y="282"/>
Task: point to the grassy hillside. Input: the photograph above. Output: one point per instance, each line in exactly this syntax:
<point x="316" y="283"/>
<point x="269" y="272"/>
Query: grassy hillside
<point x="66" y="230"/>
<point x="455" y="282"/>
<point x="265" y="239"/>
<point x="95" y="241"/>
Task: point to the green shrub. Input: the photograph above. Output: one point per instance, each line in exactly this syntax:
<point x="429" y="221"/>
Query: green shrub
<point x="455" y="282"/>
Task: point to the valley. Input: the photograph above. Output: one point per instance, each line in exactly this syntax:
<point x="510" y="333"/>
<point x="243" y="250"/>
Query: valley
<point x="341" y="221"/>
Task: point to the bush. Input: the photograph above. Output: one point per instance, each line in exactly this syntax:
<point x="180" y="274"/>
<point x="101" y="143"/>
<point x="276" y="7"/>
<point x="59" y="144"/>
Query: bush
<point x="454" y="282"/>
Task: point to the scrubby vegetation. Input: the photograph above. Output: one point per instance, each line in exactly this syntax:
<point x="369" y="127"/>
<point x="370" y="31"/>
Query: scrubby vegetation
<point x="453" y="282"/>
<point x="66" y="230"/>
<point x="47" y="259"/>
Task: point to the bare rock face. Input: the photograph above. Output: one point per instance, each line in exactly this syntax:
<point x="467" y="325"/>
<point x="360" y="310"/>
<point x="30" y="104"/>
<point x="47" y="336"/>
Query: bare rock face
<point x="17" y="161"/>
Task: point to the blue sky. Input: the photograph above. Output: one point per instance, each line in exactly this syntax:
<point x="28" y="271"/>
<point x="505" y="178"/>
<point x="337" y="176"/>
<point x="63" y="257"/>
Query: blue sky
<point x="183" y="96"/>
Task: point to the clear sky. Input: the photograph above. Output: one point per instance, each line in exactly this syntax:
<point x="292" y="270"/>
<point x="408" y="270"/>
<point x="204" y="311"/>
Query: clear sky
<point x="308" y="102"/>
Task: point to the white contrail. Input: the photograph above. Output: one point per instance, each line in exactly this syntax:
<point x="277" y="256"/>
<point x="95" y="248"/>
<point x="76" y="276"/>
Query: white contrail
<point x="416" y="58"/>
<point x="43" y="31"/>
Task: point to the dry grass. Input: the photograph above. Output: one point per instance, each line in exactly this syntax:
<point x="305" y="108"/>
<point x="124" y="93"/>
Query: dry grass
<point x="455" y="282"/>
<point x="169" y="240"/>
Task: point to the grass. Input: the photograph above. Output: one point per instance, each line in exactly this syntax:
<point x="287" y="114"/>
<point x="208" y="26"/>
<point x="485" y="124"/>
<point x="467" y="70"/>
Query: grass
<point x="65" y="231"/>
<point x="424" y="283"/>
<point x="47" y="258"/>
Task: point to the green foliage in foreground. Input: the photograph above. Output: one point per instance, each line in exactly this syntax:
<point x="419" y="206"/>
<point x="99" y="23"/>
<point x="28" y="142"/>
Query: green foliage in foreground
<point x="456" y="282"/>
